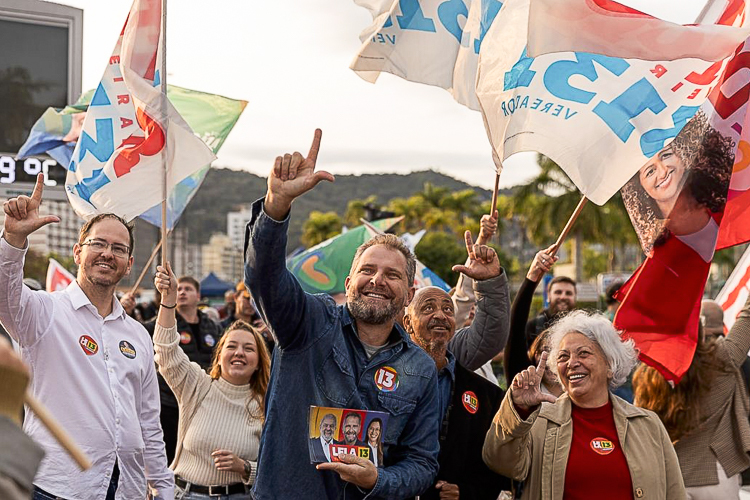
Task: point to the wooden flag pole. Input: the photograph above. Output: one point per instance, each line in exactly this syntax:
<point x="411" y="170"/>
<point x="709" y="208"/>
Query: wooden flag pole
<point x="58" y="432"/>
<point x="145" y="268"/>
<point x="493" y="207"/>
<point x="498" y="169"/>
<point x="569" y="225"/>
<point x="164" y="190"/>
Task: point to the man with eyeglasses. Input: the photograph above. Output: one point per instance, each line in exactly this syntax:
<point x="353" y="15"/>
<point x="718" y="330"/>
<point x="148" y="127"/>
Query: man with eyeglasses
<point x="92" y="364"/>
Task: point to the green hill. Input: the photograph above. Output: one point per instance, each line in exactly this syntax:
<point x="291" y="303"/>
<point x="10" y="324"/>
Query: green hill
<point x="224" y="190"/>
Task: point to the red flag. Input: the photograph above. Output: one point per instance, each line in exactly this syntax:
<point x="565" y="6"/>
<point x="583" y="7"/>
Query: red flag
<point x="58" y="278"/>
<point x="691" y="197"/>
<point x="661" y="306"/>
<point x="688" y="200"/>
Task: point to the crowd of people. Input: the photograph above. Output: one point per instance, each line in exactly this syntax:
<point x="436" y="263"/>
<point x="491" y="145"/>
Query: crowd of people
<point x="167" y="402"/>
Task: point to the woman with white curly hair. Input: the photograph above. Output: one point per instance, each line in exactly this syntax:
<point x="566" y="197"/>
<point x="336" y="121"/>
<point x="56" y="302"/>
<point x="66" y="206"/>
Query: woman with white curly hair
<point x="588" y="443"/>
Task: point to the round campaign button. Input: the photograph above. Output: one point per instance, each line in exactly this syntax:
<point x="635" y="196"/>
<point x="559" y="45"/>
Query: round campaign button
<point x="470" y="401"/>
<point x="185" y="338"/>
<point x="386" y="379"/>
<point x="209" y="340"/>
<point x="602" y="446"/>
<point x="127" y="349"/>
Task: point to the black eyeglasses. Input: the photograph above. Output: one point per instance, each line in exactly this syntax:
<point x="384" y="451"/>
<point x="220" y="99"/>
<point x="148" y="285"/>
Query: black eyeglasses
<point x="99" y="246"/>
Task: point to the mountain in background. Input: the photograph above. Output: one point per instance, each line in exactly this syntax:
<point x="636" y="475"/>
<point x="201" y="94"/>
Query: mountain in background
<point x="225" y="190"/>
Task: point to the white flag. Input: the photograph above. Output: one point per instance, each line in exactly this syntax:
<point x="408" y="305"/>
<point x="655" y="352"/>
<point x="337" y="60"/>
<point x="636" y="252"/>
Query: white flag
<point x="131" y="130"/>
<point x="435" y="42"/>
<point x="607" y="27"/>
<point x="600" y="118"/>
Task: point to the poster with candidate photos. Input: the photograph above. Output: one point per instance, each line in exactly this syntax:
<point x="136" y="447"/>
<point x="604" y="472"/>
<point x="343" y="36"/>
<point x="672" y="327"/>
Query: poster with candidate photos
<point x="337" y="431"/>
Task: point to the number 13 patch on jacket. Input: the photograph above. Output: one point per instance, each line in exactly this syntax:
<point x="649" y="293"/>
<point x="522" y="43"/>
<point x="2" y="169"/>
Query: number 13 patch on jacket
<point x="386" y="378"/>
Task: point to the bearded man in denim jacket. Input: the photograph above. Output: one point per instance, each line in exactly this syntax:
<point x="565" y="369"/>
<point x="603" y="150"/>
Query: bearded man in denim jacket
<point x="351" y="356"/>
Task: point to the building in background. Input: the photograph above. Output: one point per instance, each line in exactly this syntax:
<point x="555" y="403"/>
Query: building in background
<point x="236" y="222"/>
<point x="186" y="257"/>
<point x="221" y="257"/>
<point x="40" y="67"/>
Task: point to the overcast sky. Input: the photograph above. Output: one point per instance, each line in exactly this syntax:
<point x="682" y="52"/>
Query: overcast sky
<point x="290" y="60"/>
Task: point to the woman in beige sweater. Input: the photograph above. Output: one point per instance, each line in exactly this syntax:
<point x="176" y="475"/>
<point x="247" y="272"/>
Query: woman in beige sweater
<point x="221" y="412"/>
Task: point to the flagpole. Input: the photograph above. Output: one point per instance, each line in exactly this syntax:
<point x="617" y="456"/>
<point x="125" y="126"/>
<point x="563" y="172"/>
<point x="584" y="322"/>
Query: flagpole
<point x="493" y="206"/>
<point x="57" y="431"/>
<point x="569" y="225"/>
<point x="166" y="140"/>
<point x="146" y="267"/>
<point x="498" y="170"/>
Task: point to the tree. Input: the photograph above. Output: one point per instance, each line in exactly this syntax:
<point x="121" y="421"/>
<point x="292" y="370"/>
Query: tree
<point x="355" y="210"/>
<point x="319" y="227"/>
<point x="36" y="263"/>
<point x="440" y="252"/>
<point x="413" y="209"/>
<point x="545" y="204"/>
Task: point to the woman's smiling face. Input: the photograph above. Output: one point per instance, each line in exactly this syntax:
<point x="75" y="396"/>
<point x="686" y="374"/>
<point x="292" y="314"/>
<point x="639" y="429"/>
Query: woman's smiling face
<point x="662" y="178"/>
<point x="583" y="370"/>
<point x="373" y="432"/>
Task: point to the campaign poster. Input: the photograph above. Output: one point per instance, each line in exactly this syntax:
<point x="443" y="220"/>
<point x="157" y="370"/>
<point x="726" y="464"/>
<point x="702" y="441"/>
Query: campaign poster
<point x="334" y="432"/>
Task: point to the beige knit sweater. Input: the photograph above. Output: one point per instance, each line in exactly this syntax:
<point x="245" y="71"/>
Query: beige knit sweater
<point x="214" y="415"/>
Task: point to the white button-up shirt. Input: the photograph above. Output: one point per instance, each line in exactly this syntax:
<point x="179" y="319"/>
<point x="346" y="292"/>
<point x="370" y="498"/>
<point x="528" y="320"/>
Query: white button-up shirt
<point x="96" y="375"/>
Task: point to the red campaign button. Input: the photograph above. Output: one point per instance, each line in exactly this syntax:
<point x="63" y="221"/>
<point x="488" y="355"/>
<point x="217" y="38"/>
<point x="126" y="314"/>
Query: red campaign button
<point x="602" y="446"/>
<point x="470" y="401"/>
<point x="89" y="345"/>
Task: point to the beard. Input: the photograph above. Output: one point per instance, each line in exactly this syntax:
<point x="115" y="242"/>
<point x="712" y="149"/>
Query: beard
<point x="374" y="314"/>
<point x="560" y="307"/>
<point x="88" y="274"/>
<point x="435" y="347"/>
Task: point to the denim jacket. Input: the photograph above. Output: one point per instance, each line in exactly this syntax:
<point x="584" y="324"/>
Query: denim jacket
<point x="320" y="361"/>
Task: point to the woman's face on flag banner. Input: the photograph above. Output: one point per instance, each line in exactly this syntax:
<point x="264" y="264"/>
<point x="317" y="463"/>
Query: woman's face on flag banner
<point x="677" y="191"/>
<point x="662" y="178"/>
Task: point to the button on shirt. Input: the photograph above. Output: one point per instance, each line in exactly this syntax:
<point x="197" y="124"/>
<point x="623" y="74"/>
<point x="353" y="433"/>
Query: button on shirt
<point x="97" y="377"/>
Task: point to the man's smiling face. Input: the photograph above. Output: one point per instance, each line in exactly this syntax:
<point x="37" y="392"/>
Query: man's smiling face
<point x="327" y="427"/>
<point x="103" y="268"/>
<point x="431" y="321"/>
<point x="378" y="290"/>
<point x="351" y="429"/>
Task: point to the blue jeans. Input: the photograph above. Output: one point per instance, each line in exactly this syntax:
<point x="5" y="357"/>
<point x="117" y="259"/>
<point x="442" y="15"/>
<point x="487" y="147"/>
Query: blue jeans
<point x="40" y="494"/>
<point x="179" y="494"/>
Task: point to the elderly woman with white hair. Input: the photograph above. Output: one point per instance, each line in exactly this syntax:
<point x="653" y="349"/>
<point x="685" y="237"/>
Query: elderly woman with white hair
<point x="588" y="443"/>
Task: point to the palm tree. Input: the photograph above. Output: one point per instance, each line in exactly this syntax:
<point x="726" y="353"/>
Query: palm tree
<point x="355" y="210"/>
<point x="319" y="227"/>
<point x="546" y="202"/>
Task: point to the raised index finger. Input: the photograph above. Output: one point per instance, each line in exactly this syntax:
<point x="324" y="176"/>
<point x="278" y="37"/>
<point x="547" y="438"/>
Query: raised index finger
<point x="313" y="154"/>
<point x="542" y="363"/>
<point x="38" y="188"/>
<point x="470" y="245"/>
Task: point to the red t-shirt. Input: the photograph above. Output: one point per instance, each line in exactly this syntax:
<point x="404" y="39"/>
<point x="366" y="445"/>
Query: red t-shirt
<point x="596" y="465"/>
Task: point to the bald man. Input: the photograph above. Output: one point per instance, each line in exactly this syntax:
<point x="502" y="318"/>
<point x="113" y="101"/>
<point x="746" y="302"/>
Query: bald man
<point x="712" y="318"/>
<point x="468" y="402"/>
